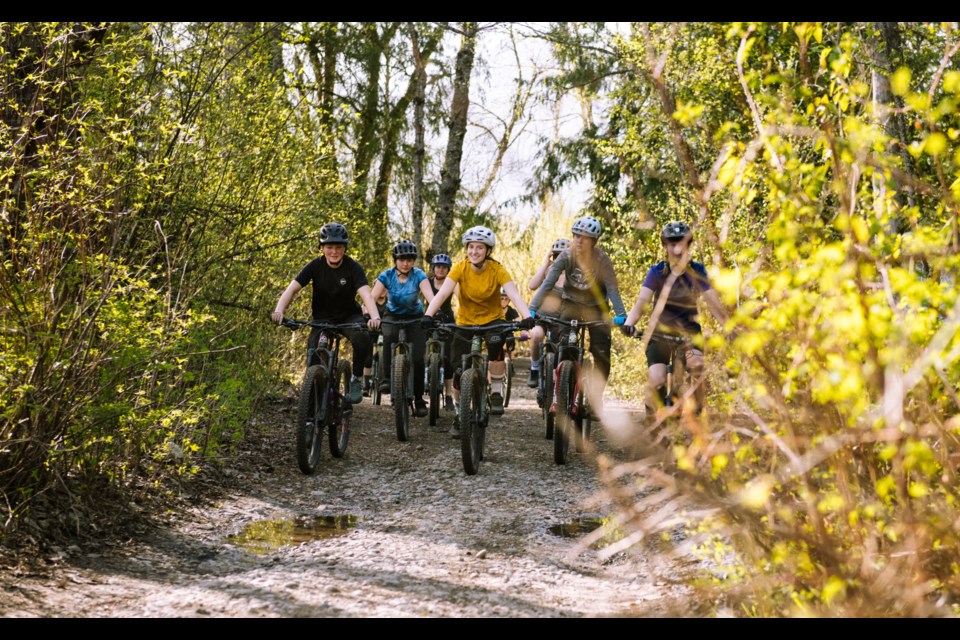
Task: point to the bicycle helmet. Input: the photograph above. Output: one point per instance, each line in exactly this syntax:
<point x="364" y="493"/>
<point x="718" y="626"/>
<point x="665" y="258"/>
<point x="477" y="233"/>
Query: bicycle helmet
<point x="333" y="233"/>
<point x="404" y="249"/>
<point x="441" y="259"/>
<point x="587" y="226"/>
<point x="675" y="231"/>
<point x="480" y="234"/>
<point x="559" y="245"/>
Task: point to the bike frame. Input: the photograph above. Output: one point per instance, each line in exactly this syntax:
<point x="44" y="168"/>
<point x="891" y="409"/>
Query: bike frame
<point x="475" y="366"/>
<point x="327" y="406"/>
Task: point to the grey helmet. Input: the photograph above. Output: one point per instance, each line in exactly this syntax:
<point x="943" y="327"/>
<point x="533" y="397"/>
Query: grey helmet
<point x="441" y="258"/>
<point x="404" y="249"/>
<point x="674" y="231"/>
<point x="334" y="233"/>
<point x="559" y="245"/>
<point x="587" y="226"/>
<point x="480" y="234"/>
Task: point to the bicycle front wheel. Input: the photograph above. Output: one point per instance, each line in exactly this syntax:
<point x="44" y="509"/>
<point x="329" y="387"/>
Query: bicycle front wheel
<point x="376" y="373"/>
<point x="546" y="379"/>
<point x="340" y="410"/>
<point x="564" y="427"/>
<point x="508" y="383"/>
<point x="435" y="384"/>
<point x="400" y="396"/>
<point x="310" y="418"/>
<point x="471" y="420"/>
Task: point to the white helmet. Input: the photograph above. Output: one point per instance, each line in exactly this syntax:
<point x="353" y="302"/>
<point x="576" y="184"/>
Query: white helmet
<point x="480" y="234"/>
<point x="587" y="226"/>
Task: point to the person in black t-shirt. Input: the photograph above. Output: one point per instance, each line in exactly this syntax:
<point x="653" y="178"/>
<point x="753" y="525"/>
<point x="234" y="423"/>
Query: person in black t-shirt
<point x="337" y="281"/>
<point x="440" y="266"/>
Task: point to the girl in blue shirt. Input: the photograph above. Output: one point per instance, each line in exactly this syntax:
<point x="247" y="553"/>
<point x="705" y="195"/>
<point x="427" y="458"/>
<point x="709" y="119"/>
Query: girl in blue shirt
<point x="404" y="284"/>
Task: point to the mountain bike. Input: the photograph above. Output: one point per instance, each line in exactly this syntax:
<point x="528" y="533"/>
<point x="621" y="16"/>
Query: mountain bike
<point x="376" y="371"/>
<point x="508" y="378"/>
<point x="475" y="391"/>
<point x="436" y="355"/>
<point x="549" y="350"/>
<point x="570" y="402"/>
<point x="324" y="395"/>
<point x="679" y="382"/>
<point x="401" y="377"/>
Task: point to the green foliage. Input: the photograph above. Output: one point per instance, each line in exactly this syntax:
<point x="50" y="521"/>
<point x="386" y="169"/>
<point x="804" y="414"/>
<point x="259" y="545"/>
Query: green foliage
<point x="825" y="476"/>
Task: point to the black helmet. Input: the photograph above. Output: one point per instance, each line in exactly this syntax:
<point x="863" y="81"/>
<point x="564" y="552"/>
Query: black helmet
<point x="404" y="249"/>
<point x="675" y="231"/>
<point x="441" y="258"/>
<point x="333" y="233"/>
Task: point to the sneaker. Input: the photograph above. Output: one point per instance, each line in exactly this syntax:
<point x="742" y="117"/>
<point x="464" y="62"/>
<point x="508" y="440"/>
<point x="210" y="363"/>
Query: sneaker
<point x="534" y="378"/>
<point x="448" y="404"/>
<point x="384" y="386"/>
<point x="455" y="429"/>
<point x="496" y="404"/>
<point x="356" y="393"/>
<point x="420" y="407"/>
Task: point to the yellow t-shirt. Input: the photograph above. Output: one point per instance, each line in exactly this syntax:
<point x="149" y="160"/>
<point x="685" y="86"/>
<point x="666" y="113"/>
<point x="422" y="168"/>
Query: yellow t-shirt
<point x="479" y="298"/>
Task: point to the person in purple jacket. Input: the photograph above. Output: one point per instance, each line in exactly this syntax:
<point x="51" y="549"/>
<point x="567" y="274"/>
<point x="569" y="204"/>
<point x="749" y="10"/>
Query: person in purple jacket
<point x="688" y="283"/>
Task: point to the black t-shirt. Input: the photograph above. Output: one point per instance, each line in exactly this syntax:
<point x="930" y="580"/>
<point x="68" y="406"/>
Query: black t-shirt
<point x="334" y="290"/>
<point x="445" y="313"/>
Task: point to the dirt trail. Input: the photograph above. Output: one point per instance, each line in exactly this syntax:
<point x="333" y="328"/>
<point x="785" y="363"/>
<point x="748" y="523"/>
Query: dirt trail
<point x="392" y="529"/>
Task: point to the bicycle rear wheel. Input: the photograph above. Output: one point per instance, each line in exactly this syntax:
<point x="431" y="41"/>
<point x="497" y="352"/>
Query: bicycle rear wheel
<point x="340" y="410"/>
<point x="564" y="426"/>
<point x="546" y="379"/>
<point x="376" y="373"/>
<point x="310" y="417"/>
<point x="508" y="383"/>
<point x="400" y="396"/>
<point x="435" y="384"/>
<point x="471" y="420"/>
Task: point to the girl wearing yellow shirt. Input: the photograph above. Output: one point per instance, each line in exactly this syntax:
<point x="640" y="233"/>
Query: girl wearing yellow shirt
<point x="478" y="280"/>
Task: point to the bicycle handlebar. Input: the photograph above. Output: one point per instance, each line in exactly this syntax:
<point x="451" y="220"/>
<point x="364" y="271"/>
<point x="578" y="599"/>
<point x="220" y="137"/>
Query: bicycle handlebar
<point x="570" y="321"/>
<point x="401" y="322"/>
<point x="294" y="324"/>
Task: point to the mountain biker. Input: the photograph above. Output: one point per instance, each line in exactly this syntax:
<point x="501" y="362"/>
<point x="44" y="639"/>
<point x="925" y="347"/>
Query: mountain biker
<point x="404" y="284"/>
<point x="549" y="306"/>
<point x="478" y="280"/>
<point x="440" y="266"/>
<point x="337" y="281"/>
<point x="688" y="282"/>
<point x="589" y="290"/>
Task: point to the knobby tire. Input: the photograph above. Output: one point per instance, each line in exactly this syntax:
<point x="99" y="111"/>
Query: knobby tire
<point x="546" y="376"/>
<point x="436" y="387"/>
<point x="471" y="421"/>
<point x="564" y="427"/>
<point x="340" y="410"/>
<point x="310" y="419"/>
<point x="400" y="396"/>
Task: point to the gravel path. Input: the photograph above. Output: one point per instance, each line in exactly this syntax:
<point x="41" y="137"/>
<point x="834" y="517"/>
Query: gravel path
<point x="392" y="529"/>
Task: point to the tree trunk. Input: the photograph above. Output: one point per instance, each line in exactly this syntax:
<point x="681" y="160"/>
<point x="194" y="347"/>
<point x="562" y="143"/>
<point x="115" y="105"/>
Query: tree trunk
<point x="394" y="124"/>
<point x="419" y="149"/>
<point x="450" y="174"/>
